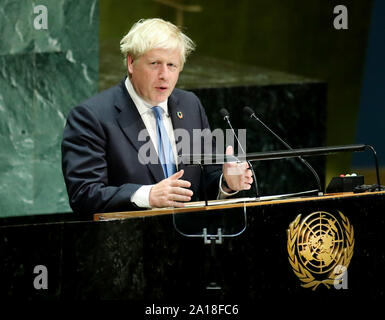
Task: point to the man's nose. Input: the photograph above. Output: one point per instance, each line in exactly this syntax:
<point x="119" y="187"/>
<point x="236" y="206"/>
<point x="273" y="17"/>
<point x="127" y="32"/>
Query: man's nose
<point x="163" y="71"/>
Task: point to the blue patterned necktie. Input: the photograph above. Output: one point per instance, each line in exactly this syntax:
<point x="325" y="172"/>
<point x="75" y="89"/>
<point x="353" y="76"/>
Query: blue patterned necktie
<point x="165" y="153"/>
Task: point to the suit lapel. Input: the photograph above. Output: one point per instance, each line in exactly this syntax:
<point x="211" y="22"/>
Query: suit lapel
<point x="177" y="112"/>
<point x="132" y="124"/>
<point x="173" y="110"/>
<point x="178" y="122"/>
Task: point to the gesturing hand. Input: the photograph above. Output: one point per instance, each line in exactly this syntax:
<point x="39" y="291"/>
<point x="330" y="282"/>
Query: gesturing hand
<point x="171" y="192"/>
<point x="238" y="175"/>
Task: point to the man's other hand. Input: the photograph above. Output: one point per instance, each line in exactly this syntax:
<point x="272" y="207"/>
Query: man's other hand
<point x="238" y="176"/>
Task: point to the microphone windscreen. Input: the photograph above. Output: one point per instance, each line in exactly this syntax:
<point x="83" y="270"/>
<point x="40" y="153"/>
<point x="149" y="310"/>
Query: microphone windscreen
<point x="248" y="110"/>
<point x="224" y="113"/>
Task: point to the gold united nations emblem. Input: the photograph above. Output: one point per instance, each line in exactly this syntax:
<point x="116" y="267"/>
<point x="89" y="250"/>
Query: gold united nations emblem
<point x="320" y="248"/>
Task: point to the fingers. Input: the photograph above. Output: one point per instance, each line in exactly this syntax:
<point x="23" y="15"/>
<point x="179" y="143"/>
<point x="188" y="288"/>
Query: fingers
<point x="248" y="177"/>
<point x="229" y="150"/>
<point x="175" y="204"/>
<point x="246" y="186"/>
<point x="180" y="183"/>
<point x="246" y="181"/>
<point x="173" y="197"/>
<point x="181" y="191"/>
<point x="175" y="180"/>
<point x="177" y="175"/>
<point x="248" y="172"/>
<point x="179" y="197"/>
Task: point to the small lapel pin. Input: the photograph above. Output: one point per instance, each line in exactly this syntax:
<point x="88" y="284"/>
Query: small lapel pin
<point x="179" y="114"/>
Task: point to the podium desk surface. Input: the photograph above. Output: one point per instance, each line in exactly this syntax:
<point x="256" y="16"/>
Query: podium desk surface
<point x="232" y="203"/>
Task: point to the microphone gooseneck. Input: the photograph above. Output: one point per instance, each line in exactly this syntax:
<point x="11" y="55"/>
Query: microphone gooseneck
<point x="251" y="113"/>
<point x="226" y="116"/>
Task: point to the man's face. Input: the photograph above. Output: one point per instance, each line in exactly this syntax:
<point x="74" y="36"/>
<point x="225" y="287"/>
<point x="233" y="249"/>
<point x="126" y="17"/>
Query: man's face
<point x="155" y="74"/>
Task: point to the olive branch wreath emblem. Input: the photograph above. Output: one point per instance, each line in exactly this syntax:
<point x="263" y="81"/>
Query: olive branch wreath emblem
<point x="343" y="258"/>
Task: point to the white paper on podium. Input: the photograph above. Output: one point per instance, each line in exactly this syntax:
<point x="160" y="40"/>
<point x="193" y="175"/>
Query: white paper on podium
<point x="218" y="202"/>
<point x="253" y="199"/>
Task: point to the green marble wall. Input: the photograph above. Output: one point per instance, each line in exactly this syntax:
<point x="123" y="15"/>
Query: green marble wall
<point x="43" y="74"/>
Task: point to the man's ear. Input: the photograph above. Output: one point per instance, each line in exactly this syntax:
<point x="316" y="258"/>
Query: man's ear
<point x="130" y="62"/>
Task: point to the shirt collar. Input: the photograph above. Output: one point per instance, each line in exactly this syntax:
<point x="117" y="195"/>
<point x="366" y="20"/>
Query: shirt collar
<point x="140" y="103"/>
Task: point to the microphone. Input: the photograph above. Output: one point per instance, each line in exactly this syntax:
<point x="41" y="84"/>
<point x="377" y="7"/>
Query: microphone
<point x="251" y="113"/>
<point x="224" y="113"/>
<point x="226" y="116"/>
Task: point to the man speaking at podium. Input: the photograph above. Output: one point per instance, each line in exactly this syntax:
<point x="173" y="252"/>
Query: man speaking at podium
<point x="102" y="160"/>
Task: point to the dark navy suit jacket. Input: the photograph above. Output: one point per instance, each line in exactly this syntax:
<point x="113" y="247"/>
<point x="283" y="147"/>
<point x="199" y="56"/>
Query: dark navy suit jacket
<point x="100" y="150"/>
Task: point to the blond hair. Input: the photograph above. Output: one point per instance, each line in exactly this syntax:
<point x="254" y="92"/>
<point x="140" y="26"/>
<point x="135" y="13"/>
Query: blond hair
<point x="148" y="34"/>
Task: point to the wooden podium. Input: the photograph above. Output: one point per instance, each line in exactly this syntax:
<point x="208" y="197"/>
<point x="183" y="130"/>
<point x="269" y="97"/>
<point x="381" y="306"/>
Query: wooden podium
<point x="270" y="258"/>
<point x="223" y="205"/>
<point x="292" y="247"/>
